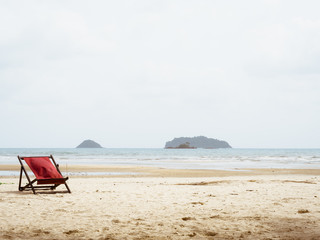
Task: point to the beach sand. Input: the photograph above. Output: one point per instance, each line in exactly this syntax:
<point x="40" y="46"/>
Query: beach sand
<point x="167" y="204"/>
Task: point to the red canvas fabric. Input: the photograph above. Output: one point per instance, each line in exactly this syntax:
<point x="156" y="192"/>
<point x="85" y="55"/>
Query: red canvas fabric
<point x="43" y="169"/>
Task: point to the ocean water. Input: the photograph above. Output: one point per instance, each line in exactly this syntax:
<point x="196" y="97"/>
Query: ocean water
<point x="220" y="159"/>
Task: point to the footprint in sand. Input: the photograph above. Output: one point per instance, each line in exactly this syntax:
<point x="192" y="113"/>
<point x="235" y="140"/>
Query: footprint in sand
<point x="188" y="218"/>
<point x="71" y="231"/>
<point x="61" y="210"/>
<point x="195" y="203"/>
<point x="301" y="211"/>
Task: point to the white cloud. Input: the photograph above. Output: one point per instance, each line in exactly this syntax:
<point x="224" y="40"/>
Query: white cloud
<point x="155" y="70"/>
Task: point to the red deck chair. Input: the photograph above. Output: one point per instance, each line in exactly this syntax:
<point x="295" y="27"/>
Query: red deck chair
<point x="46" y="171"/>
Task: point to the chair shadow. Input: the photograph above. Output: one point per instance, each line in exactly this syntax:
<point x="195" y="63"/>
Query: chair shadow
<point x="31" y="193"/>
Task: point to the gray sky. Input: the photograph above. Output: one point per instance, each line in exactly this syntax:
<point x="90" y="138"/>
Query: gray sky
<point x="139" y="73"/>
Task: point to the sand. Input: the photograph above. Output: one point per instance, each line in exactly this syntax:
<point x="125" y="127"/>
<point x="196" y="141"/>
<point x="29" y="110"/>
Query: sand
<point x="168" y="204"/>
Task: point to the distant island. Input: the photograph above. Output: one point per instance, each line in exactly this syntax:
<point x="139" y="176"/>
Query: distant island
<point x="89" y="144"/>
<point x="196" y="142"/>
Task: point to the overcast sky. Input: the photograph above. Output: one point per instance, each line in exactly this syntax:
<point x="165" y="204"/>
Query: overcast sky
<point x="139" y="73"/>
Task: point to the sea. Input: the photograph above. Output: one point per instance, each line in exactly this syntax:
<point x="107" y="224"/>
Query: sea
<point x="234" y="159"/>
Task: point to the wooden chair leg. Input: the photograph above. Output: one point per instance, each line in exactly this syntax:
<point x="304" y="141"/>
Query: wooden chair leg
<point x="67" y="187"/>
<point x="20" y="178"/>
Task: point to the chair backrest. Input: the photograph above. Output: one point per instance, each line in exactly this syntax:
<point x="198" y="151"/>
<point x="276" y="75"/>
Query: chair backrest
<point x="42" y="167"/>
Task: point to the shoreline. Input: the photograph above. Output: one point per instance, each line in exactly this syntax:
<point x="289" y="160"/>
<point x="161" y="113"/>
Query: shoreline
<point x="144" y="171"/>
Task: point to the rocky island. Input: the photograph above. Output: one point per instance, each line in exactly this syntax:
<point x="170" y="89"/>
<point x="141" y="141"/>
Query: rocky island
<point x="196" y="142"/>
<point x="89" y="144"/>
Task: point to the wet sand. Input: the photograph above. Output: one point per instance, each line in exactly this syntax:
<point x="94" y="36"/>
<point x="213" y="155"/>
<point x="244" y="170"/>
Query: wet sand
<point x="167" y="204"/>
<point x="141" y="171"/>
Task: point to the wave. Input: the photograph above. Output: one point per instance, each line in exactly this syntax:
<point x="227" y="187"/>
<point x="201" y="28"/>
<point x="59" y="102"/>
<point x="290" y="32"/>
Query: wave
<point x="177" y="158"/>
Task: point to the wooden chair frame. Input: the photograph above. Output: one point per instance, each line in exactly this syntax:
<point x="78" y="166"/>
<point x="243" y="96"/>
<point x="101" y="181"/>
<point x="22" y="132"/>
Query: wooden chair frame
<point x="30" y="186"/>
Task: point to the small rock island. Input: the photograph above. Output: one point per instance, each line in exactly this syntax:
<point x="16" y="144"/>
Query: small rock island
<point x="89" y="144"/>
<point x="196" y="142"/>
